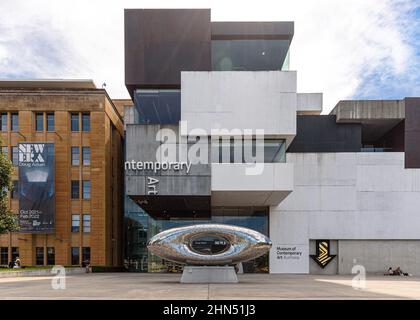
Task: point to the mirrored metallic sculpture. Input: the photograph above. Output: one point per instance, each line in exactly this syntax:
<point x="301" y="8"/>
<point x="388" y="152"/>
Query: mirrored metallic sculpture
<point x="209" y="244"/>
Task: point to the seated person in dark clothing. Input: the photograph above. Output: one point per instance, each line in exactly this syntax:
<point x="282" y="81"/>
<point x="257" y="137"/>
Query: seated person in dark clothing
<point x="389" y="272"/>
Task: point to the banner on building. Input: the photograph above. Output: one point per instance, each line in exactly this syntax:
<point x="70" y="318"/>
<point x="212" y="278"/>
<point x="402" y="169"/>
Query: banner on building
<point x="36" y="187"/>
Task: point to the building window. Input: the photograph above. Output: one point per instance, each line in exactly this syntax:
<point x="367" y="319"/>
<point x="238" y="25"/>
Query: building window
<point x="86" y="254"/>
<point x="15" y="253"/>
<point x="15" y="122"/>
<point x="39" y="256"/>
<point x="75" y="223"/>
<point x="4" y="256"/>
<point x="86" y="156"/>
<point x="75" y="156"/>
<point x="153" y="106"/>
<point x="86" y="189"/>
<point x="3" y="122"/>
<point x="74" y="122"/>
<point x="51" y="256"/>
<point x="5" y="151"/>
<point x="39" y="121"/>
<point x="86" y="223"/>
<point x="249" y="54"/>
<point x="86" y="122"/>
<point x="274" y="150"/>
<point x="50" y="123"/>
<point x="249" y="151"/>
<point x="75" y="255"/>
<point x="15" y="156"/>
<point x="15" y="191"/>
<point x="75" y="189"/>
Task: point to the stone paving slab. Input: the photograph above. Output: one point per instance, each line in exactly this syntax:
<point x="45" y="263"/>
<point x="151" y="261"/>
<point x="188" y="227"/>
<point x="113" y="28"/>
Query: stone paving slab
<point x="167" y="286"/>
<point x="41" y="272"/>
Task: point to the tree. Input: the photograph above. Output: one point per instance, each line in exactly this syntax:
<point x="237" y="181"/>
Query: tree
<point x="8" y="221"/>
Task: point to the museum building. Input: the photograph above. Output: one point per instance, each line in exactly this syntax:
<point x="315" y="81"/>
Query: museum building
<point x="335" y="191"/>
<point x="215" y="131"/>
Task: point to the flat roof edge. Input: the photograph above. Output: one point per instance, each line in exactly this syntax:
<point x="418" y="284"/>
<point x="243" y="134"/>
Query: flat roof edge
<point x="47" y="84"/>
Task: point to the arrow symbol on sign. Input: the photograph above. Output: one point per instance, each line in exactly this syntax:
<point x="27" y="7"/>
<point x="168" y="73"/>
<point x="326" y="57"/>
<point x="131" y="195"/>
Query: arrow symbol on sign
<point x="322" y="256"/>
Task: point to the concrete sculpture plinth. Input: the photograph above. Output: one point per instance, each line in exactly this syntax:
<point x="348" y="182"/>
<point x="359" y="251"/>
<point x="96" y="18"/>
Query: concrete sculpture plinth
<point x="209" y="274"/>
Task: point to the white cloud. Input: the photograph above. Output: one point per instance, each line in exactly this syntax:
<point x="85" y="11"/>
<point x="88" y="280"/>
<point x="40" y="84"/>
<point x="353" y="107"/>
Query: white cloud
<point x="336" y="43"/>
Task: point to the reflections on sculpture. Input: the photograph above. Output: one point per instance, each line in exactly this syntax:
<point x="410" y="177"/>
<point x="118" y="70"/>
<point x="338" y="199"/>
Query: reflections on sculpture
<point x="209" y="244"/>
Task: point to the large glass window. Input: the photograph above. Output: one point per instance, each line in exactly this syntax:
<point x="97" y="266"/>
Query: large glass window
<point x="75" y="255"/>
<point x="248" y="151"/>
<point x="86" y="122"/>
<point x="39" y="121"/>
<point x="225" y="152"/>
<point x="15" y="122"/>
<point x="158" y="106"/>
<point x="75" y="223"/>
<point x="15" y="155"/>
<point x="75" y="189"/>
<point x="3" y="122"/>
<point x="274" y="151"/>
<point x="86" y="156"/>
<point x="51" y="256"/>
<point x="140" y="227"/>
<point x="39" y="258"/>
<point x="75" y="122"/>
<point x="75" y="156"/>
<point x="4" y="256"/>
<point x="50" y="122"/>
<point x="249" y="54"/>
<point x="86" y="189"/>
<point x="86" y="223"/>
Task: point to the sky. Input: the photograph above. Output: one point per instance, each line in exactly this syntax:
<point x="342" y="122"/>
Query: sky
<point x="347" y="49"/>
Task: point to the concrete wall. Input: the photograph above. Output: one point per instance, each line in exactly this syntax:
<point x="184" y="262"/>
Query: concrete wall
<point x="309" y="103"/>
<point x="231" y="185"/>
<point x="141" y="145"/>
<point x="356" y="110"/>
<point x="348" y="196"/>
<point x="211" y="100"/>
<point x="378" y="255"/>
<point x="131" y="116"/>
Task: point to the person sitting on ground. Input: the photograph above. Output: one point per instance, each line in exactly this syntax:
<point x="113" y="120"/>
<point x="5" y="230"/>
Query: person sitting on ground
<point x="17" y="263"/>
<point x="402" y="273"/>
<point x="398" y="271"/>
<point x="389" y="272"/>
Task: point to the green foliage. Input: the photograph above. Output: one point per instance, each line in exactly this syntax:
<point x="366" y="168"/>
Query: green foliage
<point x="8" y="221"/>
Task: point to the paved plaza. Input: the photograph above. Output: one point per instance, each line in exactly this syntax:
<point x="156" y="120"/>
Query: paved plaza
<point x="167" y="286"/>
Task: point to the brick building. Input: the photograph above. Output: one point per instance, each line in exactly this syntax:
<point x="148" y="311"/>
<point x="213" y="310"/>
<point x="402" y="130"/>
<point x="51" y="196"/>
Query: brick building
<point x="86" y="130"/>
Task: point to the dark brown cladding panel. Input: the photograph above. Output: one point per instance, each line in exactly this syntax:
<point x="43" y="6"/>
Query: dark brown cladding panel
<point x="160" y="43"/>
<point x="323" y="134"/>
<point x="412" y="132"/>
<point x="282" y="30"/>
